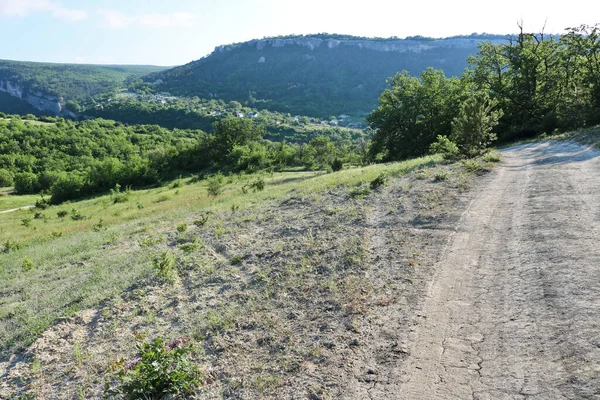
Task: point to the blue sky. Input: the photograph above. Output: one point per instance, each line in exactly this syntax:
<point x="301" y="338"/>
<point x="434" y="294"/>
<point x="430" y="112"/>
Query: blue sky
<point x="173" y="32"/>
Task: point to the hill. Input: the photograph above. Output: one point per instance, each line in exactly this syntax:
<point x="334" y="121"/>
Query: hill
<point x="46" y="88"/>
<point x="319" y="75"/>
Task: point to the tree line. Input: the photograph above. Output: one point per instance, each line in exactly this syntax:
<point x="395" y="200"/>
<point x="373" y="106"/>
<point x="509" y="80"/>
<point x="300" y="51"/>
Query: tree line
<point x="531" y="85"/>
<point x="68" y="159"/>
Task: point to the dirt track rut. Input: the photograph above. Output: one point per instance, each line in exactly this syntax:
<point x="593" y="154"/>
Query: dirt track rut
<point x="514" y="309"/>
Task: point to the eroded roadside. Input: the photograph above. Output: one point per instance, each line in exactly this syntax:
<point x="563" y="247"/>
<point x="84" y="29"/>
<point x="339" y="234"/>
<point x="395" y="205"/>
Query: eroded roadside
<point x="312" y="297"/>
<point x="512" y="312"/>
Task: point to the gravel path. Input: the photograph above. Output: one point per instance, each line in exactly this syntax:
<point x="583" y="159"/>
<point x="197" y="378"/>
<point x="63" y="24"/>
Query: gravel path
<point x="514" y="309"/>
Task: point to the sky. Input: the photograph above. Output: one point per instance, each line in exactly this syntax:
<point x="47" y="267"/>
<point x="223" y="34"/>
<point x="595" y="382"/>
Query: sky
<point x="174" y="32"/>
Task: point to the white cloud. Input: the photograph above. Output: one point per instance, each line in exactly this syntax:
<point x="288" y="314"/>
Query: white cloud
<point x="116" y="19"/>
<point x="22" y="8"/>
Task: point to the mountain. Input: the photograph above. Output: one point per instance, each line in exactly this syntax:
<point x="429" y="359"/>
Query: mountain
<point x="318" y="75"/>
<point x="45" y="88"/>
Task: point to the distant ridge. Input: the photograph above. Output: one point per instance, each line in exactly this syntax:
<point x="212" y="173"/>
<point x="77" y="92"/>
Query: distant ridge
<point x="319" y="74"/>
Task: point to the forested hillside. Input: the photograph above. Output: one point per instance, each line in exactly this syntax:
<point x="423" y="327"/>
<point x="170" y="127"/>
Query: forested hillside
<point x="318" y="75"/>
<point x="49" y="87"/>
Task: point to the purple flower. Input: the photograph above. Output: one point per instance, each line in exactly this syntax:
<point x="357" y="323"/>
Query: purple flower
<point x="182" y="340"/>
<point x="133" y="363"/>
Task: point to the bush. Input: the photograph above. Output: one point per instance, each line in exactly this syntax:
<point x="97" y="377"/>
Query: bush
<point x="447" y="148"/>
<point x="165" y="267"/>
<point x="28" y="265"/>
<point x="360" y="191"/>
<point x="42" y="203"/>
<point x="215" y="185"/>
<point x="202" y="219"/>
<point x="159" y="370"/>
<point x="6" y="178"/>
<point x="182" y="227"/>
<point x="258" y="184"/>
<point x="381" y="180"/>
<point x="66" y="187"/>
<point x="337" y="165"/>
<point x="441" y="176"/>
<point x="26" y="183"/>
<point x="119" y="197"/>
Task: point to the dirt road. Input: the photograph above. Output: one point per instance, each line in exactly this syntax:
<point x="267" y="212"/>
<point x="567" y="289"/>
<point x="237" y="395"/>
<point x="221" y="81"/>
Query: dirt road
<point x="514" y="309"/>
<point x="16" y="209"/>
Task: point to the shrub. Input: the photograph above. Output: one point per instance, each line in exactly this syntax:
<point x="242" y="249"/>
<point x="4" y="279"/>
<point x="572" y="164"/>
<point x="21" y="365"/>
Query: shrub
<point x="380" y="181"/>
<point x="119" y="197"/>
<point x="257" y="185"/>
<point x="441" y="176"/>
<point x="66" y="187"/>
<point x="236" y="260"/>
<point x="360" y="191"/>
<point x="6" y="178"/>
<point x="26" y="222"/>
<point x="28" y="265"/>
<point x="26" y="183"/>
<point x="159" y="370"/>
<point x="62" y="213"/>
<point x="202" y="219"/>
<point x="42" y="203"/>
<point x="337" y="165"/>
<point x="76" y="215"/>
<point x="215" y="185"/>
<point x="176" y="184"/>
<point x="99" y="226"/>
<point x="182" y="227"/>
<point x="10" y="245"/>
<point x="447" y="148"/>
<point x="493" y="157"/>
<point x="165" y="267"/>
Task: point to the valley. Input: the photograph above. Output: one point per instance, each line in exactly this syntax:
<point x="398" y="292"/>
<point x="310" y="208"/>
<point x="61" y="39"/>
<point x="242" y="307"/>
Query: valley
<point x="314" y="216"/>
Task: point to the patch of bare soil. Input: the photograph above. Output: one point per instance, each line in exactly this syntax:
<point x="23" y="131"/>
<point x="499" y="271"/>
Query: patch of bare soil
<point x="315" y="297"/>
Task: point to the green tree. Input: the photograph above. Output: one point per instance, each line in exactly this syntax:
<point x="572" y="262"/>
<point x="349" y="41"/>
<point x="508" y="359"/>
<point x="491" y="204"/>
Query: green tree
<point x="413" y="113"/>
<point x="230" y="132"/>
<point x="472" y="128"/>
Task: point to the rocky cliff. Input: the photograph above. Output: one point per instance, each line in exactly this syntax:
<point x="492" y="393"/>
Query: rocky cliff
<point x="40" y="101"/>
<point x="384" y="45"/>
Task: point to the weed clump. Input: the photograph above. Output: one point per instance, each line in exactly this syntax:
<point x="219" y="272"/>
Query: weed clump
<point x="76" y="215"/>
<point x="165" y="267"/>
<point x="42" y="203"/>
<point x="182" y="227"/>
<point x="28" y="265"/>
<point x="10" y="245"/>
<point x="62" y="213"/>
<point x="202" y="219"/>
<point x="441" y="176"/>
<point x="380" y="181"/>
<point x="360" y="191"/>
<point x="159" y="371"/>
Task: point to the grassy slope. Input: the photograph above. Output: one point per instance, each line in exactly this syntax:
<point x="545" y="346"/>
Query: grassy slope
<point x="287" y="262"/>
<point x="78" y="264"/>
